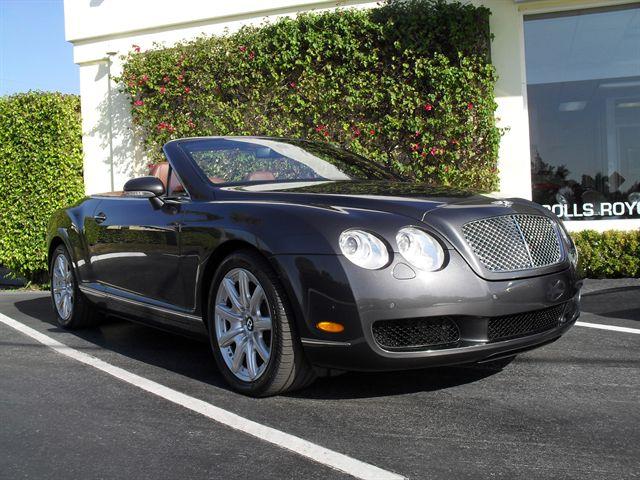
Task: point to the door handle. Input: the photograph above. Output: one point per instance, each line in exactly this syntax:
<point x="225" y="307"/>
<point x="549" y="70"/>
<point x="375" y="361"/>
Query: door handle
<point x="99" y="218"/>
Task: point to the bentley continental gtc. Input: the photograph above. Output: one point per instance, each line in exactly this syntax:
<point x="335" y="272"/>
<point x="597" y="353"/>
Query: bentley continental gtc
<point x="296" y="259"/>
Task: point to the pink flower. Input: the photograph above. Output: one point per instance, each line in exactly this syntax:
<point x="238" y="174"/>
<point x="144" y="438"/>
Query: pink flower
<point x="187" y="90"/>
<point x="433" y="150"/>
<point x="138" y="103"/>
<point x="242" y="48"/>
<point x="428" y="107"/>
<point x="252" y="55"/>
<point x="191" y="124"/>
<point x="292" y="84"/>
<point x="180" y="78"/>
<point x="145" y="78"/>
<point x="162" y="89"/>
<point x="469" y="106"/>
<point x="415" y="147"/>
<point x="136" y="48"/>
<point x="356" y="131"/>
<point x="165" y="79"/>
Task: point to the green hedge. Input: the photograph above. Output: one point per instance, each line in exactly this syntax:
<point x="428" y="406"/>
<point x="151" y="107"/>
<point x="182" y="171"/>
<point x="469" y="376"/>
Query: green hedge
<point x="40" y="171"/>
<point x="610" y="254"/>
<point x="408" y="84"/>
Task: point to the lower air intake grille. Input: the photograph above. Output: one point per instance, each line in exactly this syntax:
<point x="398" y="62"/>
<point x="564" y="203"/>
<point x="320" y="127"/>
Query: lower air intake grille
<point x="522" y="324"/>
<point x="415" y="333"/>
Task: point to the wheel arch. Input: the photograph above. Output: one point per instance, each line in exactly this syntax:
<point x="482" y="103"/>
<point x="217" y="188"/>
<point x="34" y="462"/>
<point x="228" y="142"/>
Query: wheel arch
<point x="223" y="251"/>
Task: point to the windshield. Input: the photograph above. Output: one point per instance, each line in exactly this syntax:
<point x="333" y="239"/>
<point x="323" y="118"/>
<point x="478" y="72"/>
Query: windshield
<point x="248" y="160"/>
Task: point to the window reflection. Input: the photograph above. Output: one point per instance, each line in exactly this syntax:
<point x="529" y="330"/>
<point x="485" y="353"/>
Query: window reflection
<point x="583" y="79"/>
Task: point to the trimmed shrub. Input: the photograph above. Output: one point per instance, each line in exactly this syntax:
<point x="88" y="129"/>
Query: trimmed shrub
<point x="41" y="171"/>
<point x="610" y="254"/>
<point x="408" y="84"/>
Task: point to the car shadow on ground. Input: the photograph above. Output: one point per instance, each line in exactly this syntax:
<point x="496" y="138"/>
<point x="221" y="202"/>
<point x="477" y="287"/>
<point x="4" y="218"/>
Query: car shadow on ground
<point x="622" y="303"/>
<point x="192" y="358"/>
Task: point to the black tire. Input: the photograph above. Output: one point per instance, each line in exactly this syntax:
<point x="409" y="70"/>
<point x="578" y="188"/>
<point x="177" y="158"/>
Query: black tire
<point x="83" y="314"/>
<point x="287" y="369"/>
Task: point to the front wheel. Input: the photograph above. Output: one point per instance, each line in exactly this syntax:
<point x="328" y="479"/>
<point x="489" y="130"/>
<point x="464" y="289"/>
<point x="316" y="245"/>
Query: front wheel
<point x="251" y="329"/>
<point x="71" y="308"/>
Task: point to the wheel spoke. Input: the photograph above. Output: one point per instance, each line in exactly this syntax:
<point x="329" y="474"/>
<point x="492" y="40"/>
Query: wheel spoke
<point x="231" y="335"/>
<point x="227" y="314"/>
<point x="230" y="288"/>
<point x="252" y="364"/>
<point x="238" y="355"/>
<point x="243" y="282"/>
<point x="256" y="300"/>
<point x="261" y="348"/>
<point x="262" y="323"/>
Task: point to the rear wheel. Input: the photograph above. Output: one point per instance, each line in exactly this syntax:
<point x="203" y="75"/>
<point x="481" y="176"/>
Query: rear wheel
<point x="71" y="308"/>
<point x="251" y="328"/>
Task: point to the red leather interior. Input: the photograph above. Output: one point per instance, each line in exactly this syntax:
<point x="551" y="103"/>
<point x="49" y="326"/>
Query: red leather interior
<point x="260" y="176"/>
<point x="161" y="171"/>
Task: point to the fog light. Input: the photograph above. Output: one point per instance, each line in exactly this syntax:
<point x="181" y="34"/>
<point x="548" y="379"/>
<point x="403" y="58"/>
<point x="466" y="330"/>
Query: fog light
<point x="331" y="327"/>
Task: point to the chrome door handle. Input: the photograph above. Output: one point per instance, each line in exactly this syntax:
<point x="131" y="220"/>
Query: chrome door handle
<point x="99" y="218"/>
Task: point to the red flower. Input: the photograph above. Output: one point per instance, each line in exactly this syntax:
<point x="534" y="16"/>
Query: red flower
<point x="372" y="131"/>
<point x="423" y="154"/>
<point x="356" y="131"/>
<point x="136" y="48"/>
<point x="428" y="107"/>
<point x="321" y="128"/>
<point x="292" y="84"/>
<point x="138" y="103"/>
<point x="417" y="134"/>
<point x="191" y="124"/>
<point x="326" y="133"/>
<point x="446" y="168"/>
<point x="433" y="151"/>
<point x="469" y="106"/>
<point x="165" y="79"/>
<point x="162" y="89"/>
<point x="145" y="78"/>
<point x="187" y="89"/>
<point x="161" y="126"/>
<point x="252" y="55"/>
<point x="415" y="147"/>
<point x="242" y="48"/>
<point x="180" y="78"/>
<point x="132" y="84"/>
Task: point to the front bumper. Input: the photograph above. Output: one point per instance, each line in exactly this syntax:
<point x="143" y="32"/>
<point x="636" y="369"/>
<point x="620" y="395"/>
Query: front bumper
<point x="330" y="288"/>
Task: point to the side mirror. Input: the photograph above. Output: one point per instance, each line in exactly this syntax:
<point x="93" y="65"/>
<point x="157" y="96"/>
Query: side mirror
<point x="145" y="187"/>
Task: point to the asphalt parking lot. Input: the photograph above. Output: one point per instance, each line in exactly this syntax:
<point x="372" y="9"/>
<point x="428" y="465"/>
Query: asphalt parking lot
<point x="568" y="410"/>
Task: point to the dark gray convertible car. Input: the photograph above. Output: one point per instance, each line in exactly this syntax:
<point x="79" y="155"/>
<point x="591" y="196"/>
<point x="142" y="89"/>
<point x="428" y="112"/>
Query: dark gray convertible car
<point x="296" y="259"/>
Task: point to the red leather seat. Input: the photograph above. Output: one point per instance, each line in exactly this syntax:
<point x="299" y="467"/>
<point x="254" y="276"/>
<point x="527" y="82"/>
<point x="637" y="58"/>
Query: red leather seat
<point x="260" y="176"/>
<point x="161" y="171"/>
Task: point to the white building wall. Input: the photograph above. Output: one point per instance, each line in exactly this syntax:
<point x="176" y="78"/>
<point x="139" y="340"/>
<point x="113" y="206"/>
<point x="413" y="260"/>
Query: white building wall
<point x="102" y="30"/>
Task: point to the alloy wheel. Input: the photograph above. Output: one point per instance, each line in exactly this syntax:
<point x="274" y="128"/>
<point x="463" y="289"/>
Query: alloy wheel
<point x="243" y="324"/>
<point x="62" y="285"/>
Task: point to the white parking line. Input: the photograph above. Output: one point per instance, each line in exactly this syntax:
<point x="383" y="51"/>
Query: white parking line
<point x="302" y="447"/>
<point x="602" y="326"/>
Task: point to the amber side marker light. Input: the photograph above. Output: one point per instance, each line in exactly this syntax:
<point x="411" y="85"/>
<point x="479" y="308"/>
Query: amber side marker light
<point x="331" y="327"/>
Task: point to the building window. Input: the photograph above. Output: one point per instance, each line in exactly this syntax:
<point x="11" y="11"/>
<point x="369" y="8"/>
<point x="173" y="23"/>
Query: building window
<point x="583" y="88"/>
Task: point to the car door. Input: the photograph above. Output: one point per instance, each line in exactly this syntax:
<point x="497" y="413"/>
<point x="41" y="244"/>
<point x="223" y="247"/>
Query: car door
<point x="134" y="251"/>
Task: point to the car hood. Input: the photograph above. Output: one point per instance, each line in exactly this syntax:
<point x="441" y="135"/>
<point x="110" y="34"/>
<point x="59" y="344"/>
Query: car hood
<point x="409" y="199"/>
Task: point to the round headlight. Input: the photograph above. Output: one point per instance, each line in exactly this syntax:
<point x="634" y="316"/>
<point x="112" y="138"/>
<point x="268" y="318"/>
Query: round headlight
<point x="364" y="249"/>
<point x="420" y="249"/>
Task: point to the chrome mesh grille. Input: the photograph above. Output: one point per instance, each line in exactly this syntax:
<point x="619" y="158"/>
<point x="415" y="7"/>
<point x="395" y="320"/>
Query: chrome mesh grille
<point x="513" y="242"/>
